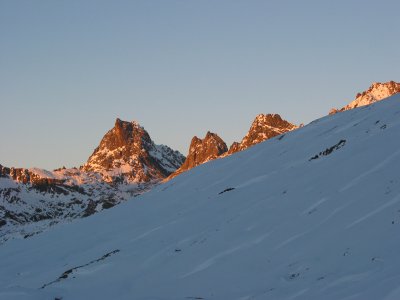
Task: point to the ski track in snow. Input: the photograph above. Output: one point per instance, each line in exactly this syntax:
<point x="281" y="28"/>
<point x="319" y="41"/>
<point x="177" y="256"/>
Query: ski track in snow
<point x="290" y="240"/>
<point x="254" y="181"/>
<point x="348" y="279"/>
<point x="395" y="200"/>
<point x="298" y="294"/>
<point x="314" y="206"/>
<point x="147" y="233"/>
<point x="211" y="261"/>
<point x="369" y="172"/>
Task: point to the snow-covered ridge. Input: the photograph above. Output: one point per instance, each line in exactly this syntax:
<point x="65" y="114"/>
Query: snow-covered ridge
<point x="377" y="91"/>
<point x="310" y="215"/>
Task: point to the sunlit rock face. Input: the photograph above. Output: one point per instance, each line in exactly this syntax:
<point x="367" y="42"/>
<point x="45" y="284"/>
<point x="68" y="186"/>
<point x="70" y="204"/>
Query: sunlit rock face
<point x="127" y="152"/>
<point x="201" y="151"/>
<point x="212" y="146"/>
<point x="377" y="91"/>
<point x="263" y="128"/>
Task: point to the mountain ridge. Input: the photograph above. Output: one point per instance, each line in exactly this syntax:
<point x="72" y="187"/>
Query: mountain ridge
<point x="264" y="127"/>
<point x="376" y="92"/>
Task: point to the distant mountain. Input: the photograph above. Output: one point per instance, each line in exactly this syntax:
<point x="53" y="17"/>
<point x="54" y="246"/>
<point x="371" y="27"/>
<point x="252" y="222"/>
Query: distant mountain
<point x="127" y="153"/>
<point x="263" y="128"/>
<point x="125" y="164"/>
<point x="377" y="91"/>
<point x="201" y="151"/>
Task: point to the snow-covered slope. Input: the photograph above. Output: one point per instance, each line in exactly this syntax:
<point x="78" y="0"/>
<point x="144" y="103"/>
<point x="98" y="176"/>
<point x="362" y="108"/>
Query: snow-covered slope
<point x="312" y="214"/>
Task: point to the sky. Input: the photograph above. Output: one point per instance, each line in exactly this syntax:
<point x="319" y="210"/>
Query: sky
<point x="69" y="68"/>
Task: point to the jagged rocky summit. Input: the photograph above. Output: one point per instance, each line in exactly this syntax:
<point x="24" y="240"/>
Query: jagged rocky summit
<point x="212" y="146"/>
<point x="377" y="91"/>
<point x="202" y="151"/>
<point x="127" y="153"/>
<point x="263" y="128"/>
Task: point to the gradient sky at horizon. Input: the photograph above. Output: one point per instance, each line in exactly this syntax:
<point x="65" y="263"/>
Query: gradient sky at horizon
<point x="68" y="69"/>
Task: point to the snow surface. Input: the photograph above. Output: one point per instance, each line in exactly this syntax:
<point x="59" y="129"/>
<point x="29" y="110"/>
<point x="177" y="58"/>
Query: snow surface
<point x="270" y="222"/>
<point x="7" y="183"/>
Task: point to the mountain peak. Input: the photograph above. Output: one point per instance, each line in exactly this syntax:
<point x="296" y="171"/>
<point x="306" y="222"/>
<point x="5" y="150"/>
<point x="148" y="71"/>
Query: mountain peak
<point x="124" y="133"/>
<point x="201" y="151"/>
<point x="376" y="92"/>
<point x="121" y="123"/>
<point x="264" y="126"/>
<point x="128" y="151"/>
<point x="212" y="136"/>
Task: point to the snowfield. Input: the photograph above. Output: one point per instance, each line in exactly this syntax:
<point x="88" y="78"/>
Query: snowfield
<point x="312" y="214"/>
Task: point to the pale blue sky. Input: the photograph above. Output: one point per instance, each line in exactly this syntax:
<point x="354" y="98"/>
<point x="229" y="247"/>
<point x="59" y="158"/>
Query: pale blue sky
<point x="180" y="68"/>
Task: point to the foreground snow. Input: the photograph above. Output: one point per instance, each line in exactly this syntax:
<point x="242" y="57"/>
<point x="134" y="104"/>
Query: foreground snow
<point x="313" y="214"/>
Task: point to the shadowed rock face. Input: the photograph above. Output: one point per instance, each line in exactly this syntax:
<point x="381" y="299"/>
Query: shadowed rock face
<point x="263" y="128"/>
<point x="376" y="92"/>
<point x="127" y="151"/>
<point x="201" y="151"/>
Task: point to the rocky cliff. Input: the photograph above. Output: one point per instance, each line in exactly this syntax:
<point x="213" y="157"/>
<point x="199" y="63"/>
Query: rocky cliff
<point x="127" y="153"/>
<point x="201" y="151"/>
